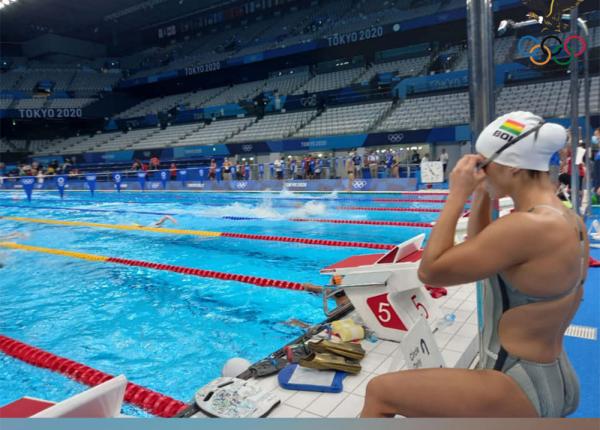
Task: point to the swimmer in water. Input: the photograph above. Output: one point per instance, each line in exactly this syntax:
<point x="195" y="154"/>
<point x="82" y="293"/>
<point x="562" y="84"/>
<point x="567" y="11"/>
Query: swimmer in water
<point x="340" y="299"/>
<point x="10" y="237"/>
<point x="160" y="222"/>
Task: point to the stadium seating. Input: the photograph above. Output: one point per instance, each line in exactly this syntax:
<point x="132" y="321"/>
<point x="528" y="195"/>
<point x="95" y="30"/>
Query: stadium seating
<point x="216" y="132"/>
<point x="5" y="103"/>
<point x="427" y="112"/>
<point x="158" y="104"/>
<point x="9" y="79"/>
<point x="331" y="81"/>
<point x="69" y="103"/>
<point x="406" y="67"/>
<point x="277" y="126"/>
<point x="30" y="77"/>
<point x="89" y="80"/>
<point x="345" y="120"/>
<point x="594" y="96"/>
<point x="202" y="98"/>
<point x="548" y="99"/>
<point x="238" y="92"/>
<point x="286" y="84"/>
<point x="55" y="147"/>
<point x="168" y="137"/>
<point x="34" y="103"/>
<point x="502" y="50"/>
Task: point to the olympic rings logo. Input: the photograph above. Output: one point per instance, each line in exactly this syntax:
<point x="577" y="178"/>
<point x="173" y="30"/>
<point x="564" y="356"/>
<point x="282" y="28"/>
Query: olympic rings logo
<point x="395" y="137"/>
<point x="359" y="184"/>
<point x="241" y="185"/>
<point x="60" y="181"/>
<point x="553" y="51"/>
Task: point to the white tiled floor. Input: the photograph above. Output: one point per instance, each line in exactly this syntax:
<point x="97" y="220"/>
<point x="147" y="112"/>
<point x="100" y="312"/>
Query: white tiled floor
<point x="457" y="342"/>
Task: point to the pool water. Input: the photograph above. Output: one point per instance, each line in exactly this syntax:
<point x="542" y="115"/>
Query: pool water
<point x="169" y="332"/>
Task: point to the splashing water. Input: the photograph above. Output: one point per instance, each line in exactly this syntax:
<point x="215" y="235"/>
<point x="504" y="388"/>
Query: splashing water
<point x="311" y="208"/>
<point x="265" y="210"/>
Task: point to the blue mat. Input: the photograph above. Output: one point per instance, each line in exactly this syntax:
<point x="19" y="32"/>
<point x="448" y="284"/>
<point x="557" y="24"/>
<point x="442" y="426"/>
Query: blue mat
<point x="585" y="354"/>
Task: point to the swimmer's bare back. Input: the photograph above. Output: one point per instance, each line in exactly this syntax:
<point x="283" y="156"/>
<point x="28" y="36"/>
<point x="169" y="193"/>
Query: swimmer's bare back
<point x="539" y="253"/>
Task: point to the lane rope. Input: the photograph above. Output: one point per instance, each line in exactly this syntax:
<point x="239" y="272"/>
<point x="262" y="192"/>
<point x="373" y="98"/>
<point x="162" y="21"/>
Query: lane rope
<point x="201" y="233"/>
<point x="254" y="280"/>
<point x="144" y="398"/>
<point x="118" y="211"/>
<point x="410" y="200"/>
<point x="367" y="208"/>
<point x="343" y="221"/>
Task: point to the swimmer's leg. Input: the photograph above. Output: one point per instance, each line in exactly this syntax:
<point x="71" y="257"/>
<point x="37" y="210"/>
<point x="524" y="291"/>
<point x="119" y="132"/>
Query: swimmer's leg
<point x="446" y="393"/>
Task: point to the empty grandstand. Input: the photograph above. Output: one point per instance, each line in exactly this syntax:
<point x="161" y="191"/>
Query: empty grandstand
<point x="345" y="120"/>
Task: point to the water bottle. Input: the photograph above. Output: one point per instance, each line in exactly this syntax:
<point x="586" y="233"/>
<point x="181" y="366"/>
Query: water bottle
<point x="446" y="321"/>
<point x="370" y="335"/>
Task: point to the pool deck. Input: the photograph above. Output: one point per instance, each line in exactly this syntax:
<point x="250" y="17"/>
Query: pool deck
<point x="457" y="342"/>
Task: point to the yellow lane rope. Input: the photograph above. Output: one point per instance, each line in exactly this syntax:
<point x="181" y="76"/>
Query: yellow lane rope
<point x="79" y="255"/>
<point x="114" y="226"/>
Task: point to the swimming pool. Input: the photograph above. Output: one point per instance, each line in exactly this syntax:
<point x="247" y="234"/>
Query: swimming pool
<point x="168" y="331"/>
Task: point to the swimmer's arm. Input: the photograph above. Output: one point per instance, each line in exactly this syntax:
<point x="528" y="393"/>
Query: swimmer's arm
<point x="481" y="212"/>
<point x="507" y="242"/>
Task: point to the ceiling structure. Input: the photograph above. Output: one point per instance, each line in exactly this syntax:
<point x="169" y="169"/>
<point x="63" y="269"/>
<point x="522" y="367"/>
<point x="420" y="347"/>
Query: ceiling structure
<point x="90" y="20"/>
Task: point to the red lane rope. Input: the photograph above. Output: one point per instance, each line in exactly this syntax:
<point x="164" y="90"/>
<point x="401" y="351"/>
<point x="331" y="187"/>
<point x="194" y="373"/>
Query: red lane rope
<point x="322" y="242"/>
<point x="368" y="208"/>
<point x="144" y="398"/>
<point x="255" y="280"/>
<point x="424" y="193"/>
<point x="410" y="200"/>
<point x="413" y="200"/>
<point x="365" y="222"/>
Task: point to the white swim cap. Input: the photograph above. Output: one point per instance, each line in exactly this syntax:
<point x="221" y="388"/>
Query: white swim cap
<point x="533" y="152"/>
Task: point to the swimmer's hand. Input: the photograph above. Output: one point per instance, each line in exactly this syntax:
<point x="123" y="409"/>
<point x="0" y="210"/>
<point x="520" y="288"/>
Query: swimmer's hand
<point x="312" y="288"/>
<point x="296" y="323"/>
<point x="466" y="177"/>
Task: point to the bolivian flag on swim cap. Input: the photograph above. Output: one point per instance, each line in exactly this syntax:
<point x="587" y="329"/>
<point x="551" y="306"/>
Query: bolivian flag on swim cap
<point x="533" y="152"/>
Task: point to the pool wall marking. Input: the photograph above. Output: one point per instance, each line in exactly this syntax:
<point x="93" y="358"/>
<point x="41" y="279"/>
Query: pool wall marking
<point x="144" y="398"/>
<point x="201" y="233"/>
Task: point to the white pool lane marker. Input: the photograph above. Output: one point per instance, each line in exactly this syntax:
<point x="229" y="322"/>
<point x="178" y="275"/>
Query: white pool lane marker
<point x="582" y="332"/>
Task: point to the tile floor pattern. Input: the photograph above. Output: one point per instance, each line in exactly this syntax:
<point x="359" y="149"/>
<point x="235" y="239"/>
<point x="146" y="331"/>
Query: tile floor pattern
<point x="457" y="342"/>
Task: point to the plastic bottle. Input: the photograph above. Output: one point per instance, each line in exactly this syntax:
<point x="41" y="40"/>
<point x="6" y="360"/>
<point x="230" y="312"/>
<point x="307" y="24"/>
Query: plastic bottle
<point x="446" y="321"/>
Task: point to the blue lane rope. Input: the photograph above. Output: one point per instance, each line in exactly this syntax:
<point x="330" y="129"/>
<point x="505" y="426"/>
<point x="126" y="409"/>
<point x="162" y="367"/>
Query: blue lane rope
<point x="90" y="210"/>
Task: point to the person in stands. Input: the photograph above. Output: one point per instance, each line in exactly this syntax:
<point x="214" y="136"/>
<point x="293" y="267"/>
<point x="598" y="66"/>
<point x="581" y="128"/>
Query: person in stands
<point x="444" y="159"/>
<point x="212" y="170"/>
<point x="154" y="163"/>
<point x="226" y="169"/>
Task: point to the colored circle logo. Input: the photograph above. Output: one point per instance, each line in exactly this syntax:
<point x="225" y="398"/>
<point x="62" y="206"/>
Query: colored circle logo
<point x="541" y="52"/>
